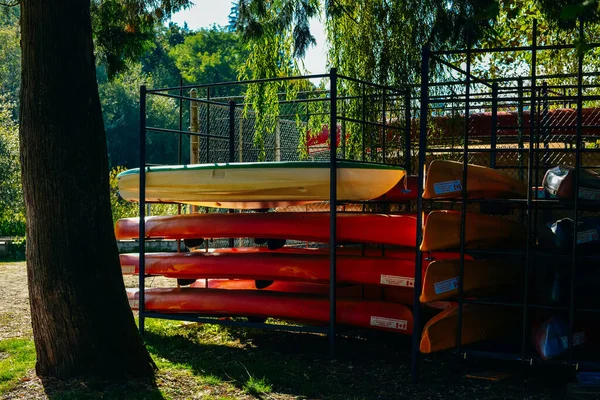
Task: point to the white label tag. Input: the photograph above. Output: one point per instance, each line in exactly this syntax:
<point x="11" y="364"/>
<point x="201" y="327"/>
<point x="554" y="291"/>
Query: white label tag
<point x="447" y="187"/>
<point x="564" y="340"/>
<point x="134" y="304"/>
<point x="392" y="323"/>
<point x="590" y="235"/>
<point x="446" y="286"/>
<point x="128" y="269"/>
<point x="394" y="280"/>
<point x="589" y="194"/>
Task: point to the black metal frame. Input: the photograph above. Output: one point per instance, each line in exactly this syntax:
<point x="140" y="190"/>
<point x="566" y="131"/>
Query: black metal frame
<point x="333" y="99"/>
<point x="531" y="205"/>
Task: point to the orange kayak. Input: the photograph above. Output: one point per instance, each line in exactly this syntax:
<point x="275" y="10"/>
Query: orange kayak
<point x="287" y="306"/>
<point x="397" y="230"/>
<point x="442" y="232"/>
<point x="481" y="277"/>
<point x="479" y="323"/>
<point x="444" y="180"/>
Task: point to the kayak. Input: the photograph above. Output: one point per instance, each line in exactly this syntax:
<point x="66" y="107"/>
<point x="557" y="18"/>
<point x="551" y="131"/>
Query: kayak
<point x="442" y="232"/>
<point x="444" y="179"/>
<point x="391" y="294"/>
<point x="481" y="278"/>
<point x="259" y="185"/>
<point x="479" y="323"/>
<point x="364" y="270"/>
<point x="397" y="230"/>
<point x="551" y="338"/>
<point x="287" y="306"/>
<point x="560" y="181"/>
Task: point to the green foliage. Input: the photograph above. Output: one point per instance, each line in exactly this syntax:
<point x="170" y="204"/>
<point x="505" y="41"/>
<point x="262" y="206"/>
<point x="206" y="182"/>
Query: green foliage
<point x="10" y="58"/>
<point x="20" y="358"/>
<point x="12" y="209"/>
<point x="16" y="249"/>
<point x="257" y="387"/>
<point x="209" y="56"/>
<point x="120" y="105"/>
<point x="124" y="29"/>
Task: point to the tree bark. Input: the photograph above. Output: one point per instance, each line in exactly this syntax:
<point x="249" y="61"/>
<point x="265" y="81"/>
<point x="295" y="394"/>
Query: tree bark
<point x="82" y="324"/>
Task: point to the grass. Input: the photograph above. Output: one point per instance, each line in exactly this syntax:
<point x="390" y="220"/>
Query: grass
<point x="17" y="357"/>
<point x="223" y="363"/>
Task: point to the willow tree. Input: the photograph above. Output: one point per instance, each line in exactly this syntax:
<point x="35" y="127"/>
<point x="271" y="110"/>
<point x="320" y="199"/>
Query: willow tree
<point x="82" y="324"/>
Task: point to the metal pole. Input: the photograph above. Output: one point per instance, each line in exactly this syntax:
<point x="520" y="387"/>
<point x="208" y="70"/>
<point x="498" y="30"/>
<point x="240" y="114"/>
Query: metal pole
<point x="545" y="125"/>
<point x="363" y="125"/>
<point x="578" y="134"/>
<point x="408" y="127"/>
<point x="494" y="124"/>
<point x="463" y="215"/>
<point x="333" y="208"/>
<point x="520" y="119"/>
<point x="180" y="139"/>
<point x="194" y="140"/>
<point x="384" y="131"/>
<point x="208" y="125"/>
<point x="530" y="165"/>
<point x="142" y="223"/>
<point x="416" y="334"/>
<point x="231" y="146"/>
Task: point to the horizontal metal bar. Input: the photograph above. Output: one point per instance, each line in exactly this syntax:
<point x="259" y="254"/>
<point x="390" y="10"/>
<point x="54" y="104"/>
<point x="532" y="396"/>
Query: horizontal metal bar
<point x="513" y="49"/>
<point x="491" y="355"/>
<point x="359" y="121"/>
<point x="202" y="319"/>
<point x="376" y="85"/>
<point x="247" y="82"/>
<point x="193" y="99"/>
<point x="208" y="135"/>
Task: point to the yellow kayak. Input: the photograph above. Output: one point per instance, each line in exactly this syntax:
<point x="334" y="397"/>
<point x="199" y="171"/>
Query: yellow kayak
<point x="481" y="277"/>
<point x="479" y="323"/>
<point x="444" y="180"/>
<point x="259" y="185"/>
<point x="442" y="232"/>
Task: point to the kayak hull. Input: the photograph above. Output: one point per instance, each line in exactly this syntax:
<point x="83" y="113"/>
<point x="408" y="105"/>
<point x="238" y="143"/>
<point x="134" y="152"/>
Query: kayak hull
<point x="479" y="323"/>
<point x="397" y="230"/>
<point x="287" y="306"/>
<point x="259" y="185"/>
<point x="444" y="179"/>
<point x="442" y="232"/>
<point x="481" y="277"/>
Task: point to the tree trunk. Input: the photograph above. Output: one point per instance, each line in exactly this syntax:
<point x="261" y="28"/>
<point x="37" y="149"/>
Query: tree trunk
<point x="82" y="324"/>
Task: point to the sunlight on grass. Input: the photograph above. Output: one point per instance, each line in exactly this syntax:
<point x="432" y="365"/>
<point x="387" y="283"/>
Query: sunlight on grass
<point x="257" y="387"/>
<point x="17" y="357"/>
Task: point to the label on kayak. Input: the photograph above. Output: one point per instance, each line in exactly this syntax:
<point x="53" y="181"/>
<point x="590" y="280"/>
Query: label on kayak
<point x="128" y="269"/>
<point x="135" y="304"/>
<point x="394" y="280"/>
<point x="391" y="323"/>
<point x="591" y="235"/>
<point x="447" y="187"/>
<point x="446" y="286"/>
<point x="589" y="194"/>
<point x="578" y="339"/>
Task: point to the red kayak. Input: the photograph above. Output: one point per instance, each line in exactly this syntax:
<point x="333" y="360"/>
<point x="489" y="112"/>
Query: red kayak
<point x="287" y="306"/>
<point x="281" y="265"/>
<point x="391" y="294"/>
<point x="399" y="230"/>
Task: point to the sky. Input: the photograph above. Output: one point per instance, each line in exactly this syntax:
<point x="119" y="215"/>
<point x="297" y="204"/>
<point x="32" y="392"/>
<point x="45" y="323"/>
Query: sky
<point x="205" y="13"/>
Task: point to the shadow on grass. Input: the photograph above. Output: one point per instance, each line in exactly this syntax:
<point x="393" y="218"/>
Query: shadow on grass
<point x="373" y="365"/>
<point x="376" y="366"/>
<point x="82" y="389"/>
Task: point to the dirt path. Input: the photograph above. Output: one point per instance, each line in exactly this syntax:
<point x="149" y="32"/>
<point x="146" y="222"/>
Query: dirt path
<point x="15" y="320"/>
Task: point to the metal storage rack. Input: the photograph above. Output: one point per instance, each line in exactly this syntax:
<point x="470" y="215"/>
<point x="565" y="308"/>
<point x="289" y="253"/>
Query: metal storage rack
<point x="381" y="114"/>
<point x="526" y="149"/>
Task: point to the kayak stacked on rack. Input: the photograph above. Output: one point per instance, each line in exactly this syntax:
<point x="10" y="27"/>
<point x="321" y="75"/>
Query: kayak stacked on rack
<point x="484" y="273"/>
<point x="285" y="283"/>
